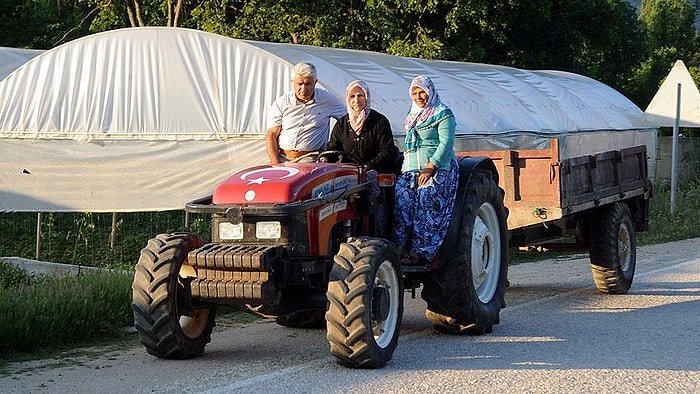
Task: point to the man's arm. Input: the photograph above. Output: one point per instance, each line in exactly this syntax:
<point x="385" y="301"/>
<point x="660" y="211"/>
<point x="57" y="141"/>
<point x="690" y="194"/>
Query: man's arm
<point x="272" y="143"/>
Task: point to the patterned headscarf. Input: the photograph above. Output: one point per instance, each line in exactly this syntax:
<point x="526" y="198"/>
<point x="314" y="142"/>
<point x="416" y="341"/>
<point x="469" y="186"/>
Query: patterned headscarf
<point x="357" y="119"/>
<point x="434" y="110"/>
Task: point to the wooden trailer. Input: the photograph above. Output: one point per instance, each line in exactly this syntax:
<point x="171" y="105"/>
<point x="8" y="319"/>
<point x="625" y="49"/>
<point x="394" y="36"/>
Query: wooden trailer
<point x="596" y="202"/>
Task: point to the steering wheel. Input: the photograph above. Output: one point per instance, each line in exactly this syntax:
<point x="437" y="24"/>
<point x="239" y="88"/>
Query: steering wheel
<point x="339" y="156"/>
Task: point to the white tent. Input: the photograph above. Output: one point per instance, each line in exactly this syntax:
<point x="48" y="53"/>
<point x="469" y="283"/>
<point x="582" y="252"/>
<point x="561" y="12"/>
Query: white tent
<point x="664" y="106"/>
<point x="148" y="118"/>
<point x="676" y="104"/>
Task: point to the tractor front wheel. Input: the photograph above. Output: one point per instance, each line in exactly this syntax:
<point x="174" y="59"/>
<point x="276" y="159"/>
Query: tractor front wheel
<point x="365" y="303"/>
<point x="167" y="322"/>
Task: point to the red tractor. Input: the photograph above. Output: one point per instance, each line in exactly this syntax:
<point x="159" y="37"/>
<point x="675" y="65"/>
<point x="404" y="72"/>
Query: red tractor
<point x="309" y="244"/>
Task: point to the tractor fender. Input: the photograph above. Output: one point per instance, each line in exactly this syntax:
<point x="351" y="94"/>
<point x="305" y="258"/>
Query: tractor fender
<point x="467" y="165"/>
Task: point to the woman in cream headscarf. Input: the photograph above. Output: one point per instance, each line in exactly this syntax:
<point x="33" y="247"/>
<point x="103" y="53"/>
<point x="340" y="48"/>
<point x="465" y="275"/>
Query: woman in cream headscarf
<point x="427" y="186"/>
<point x="364" y="132"/>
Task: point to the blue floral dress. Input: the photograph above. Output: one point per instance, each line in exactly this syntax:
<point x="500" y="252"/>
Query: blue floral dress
<point x="423" y="214"/>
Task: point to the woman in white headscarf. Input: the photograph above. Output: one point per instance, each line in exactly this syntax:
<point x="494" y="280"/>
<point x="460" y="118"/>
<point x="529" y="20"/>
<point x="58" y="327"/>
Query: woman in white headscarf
<point x="427" y="186"/>
<point x="364" y="132"/>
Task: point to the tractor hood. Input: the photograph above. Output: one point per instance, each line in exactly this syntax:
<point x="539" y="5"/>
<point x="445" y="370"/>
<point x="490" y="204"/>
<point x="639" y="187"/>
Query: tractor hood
<point x="285" y="183"/>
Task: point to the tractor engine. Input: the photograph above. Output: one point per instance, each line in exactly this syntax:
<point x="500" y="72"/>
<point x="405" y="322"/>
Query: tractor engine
<point x="275" y="230"/>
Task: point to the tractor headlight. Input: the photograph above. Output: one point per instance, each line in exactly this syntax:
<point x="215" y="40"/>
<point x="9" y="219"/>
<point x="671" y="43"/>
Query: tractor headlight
<point x="268" y="230"/>
<point x="228" y="230"/>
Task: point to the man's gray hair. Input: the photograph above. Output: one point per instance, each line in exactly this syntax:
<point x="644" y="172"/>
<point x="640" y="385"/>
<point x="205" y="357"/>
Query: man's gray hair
<point x="304" y="69"/>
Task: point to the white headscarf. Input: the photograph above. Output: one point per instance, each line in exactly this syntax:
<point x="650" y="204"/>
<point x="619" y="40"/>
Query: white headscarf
<point x="433" y="111"/>
<point x="418" y="115"/>
<point x="357" y="118"/>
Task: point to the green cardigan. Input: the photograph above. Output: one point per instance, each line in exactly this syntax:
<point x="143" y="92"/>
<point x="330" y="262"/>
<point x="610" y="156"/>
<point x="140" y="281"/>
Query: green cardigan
<point x="435" y="143"/>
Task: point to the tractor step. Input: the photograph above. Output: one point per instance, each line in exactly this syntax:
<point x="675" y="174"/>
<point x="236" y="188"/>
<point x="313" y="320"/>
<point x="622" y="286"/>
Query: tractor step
<point x="415" y="268"/>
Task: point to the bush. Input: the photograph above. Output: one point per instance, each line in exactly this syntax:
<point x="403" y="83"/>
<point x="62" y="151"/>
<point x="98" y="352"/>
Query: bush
<point x="12" y="277"/>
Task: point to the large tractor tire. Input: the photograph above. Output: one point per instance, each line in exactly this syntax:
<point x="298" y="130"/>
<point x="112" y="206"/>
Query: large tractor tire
<point x="613" y="248"/>
<point x="167" y="322"/>
<point x="365" y="303"/>
<point x="467" y="292"/>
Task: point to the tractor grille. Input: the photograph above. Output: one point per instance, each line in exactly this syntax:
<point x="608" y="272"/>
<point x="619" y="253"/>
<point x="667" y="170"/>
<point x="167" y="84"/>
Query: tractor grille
<point x="233" y="272"/>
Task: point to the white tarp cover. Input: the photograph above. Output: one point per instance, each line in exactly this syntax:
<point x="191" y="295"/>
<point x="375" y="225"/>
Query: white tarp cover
<point x="663" y="108"/>
<point x="11" y="58"/>
<point x="146" y="119"/>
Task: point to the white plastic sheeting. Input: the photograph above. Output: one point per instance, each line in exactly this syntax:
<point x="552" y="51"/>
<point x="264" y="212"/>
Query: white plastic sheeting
<point x="148" y="118"/>
<point x="11" y="58"/>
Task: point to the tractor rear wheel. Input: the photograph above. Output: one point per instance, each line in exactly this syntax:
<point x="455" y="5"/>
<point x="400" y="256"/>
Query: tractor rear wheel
<point x="612" y="247"/>
<point x="167" y="322"/>
<point x="466" y="293"/>
<point x="365" y="303"/>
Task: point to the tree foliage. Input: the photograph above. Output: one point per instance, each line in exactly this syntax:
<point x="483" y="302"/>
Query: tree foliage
<point x="603" y="39"/>
<point x="670" y="24"/>
<point x="671" y="34"/>
<point x="42" y="24"/>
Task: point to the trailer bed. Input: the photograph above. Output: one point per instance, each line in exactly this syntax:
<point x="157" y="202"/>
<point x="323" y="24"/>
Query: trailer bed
<point x="540" y="188"/>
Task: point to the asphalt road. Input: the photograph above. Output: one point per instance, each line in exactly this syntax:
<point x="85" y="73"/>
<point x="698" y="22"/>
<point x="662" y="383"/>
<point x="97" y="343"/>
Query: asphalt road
<point x="558" y="334"/>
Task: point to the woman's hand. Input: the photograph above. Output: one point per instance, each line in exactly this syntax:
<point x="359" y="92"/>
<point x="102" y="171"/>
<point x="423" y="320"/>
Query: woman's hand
<point x="425" y="174"/>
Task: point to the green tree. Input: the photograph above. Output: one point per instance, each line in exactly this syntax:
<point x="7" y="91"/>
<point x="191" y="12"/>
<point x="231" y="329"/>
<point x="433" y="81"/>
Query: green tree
<point x="330" y="23"/>
<point x="42" y="24"/>
<point x="115" y="14"/>
<point x="671" y="24"/>
<point x="602" y="39"/>
<point x="597" y="38"/>
<point x="672" y="35"/>
<point x="403" y="27"/>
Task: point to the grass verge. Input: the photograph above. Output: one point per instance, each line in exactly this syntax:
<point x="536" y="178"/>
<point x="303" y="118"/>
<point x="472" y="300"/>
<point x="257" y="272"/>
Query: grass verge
<point x="683" y="224"/>
<point x="51" y="316"/>
<point x="54" y="312"/>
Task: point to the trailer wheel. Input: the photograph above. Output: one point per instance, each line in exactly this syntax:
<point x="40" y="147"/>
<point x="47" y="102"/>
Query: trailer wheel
<point x="167" y="322"/>
<point x="467" y="292"/>
<point x="365" y="303"/>
<point x="613" y="248"/>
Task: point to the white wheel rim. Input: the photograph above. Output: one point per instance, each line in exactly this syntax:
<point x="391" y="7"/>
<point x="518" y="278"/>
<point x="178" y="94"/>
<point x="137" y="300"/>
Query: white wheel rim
<point x="388" y="278"/>
<point x="193" y="326"/>
<point x="486" y="253"/>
